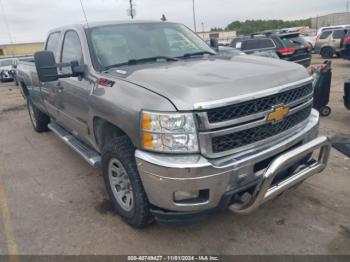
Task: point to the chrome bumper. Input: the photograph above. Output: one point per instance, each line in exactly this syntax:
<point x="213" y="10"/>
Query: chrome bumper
<point x="264" y="192"/>
<point x="162" y="175"/>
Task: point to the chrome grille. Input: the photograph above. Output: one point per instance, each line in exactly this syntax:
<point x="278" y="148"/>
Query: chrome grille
<point x="233" y="127"/>
<point x="248" y="136"/>
<point x="257" y="105"/>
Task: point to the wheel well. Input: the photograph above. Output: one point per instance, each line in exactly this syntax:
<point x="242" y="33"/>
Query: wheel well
<point x="24" y="89"/>
<point x="104" y="131"/>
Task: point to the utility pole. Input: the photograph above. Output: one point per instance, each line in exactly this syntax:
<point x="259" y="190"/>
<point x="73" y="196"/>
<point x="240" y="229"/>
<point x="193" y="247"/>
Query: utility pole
<point x="194" y="18"/>
<point x="347" y="6"/>
<point x="131" y="10"/>
<point x="7" y="27"/>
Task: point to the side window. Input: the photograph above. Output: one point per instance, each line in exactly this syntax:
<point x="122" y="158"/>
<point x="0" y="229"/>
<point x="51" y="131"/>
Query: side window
<point x="339" y="34"/>
<point x="52" y="44"/>
<point x="258" y="44"/>
<point x="266" y="43"/>
<point x="71" y="49"/>
<point x="325" y="34"/>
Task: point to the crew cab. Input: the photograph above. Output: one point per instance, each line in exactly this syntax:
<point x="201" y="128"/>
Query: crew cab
<point x="178" y="131"/>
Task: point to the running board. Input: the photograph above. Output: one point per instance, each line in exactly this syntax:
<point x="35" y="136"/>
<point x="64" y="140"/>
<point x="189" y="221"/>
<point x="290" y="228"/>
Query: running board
<point x="89" y="154"/>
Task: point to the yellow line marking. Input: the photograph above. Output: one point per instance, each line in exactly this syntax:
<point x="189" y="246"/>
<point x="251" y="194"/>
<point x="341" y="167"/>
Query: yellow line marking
<point x="6" y="218"/>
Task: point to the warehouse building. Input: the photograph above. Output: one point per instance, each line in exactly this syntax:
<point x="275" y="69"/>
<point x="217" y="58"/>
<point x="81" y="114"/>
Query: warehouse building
<point x="25" y="49"/>
<point x="330" y="20"/>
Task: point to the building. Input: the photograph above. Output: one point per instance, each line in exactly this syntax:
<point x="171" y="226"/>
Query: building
<point x="330" y="20"/>
<point x="222" y="36"/>
<point x="25" y="49"/>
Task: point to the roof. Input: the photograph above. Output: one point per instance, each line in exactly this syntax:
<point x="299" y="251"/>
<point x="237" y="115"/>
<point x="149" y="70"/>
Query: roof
<point x="106" y="23"/>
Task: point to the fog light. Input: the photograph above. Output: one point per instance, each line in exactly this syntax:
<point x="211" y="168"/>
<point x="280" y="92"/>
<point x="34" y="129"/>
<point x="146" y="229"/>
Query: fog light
<point x="182" y="195"/>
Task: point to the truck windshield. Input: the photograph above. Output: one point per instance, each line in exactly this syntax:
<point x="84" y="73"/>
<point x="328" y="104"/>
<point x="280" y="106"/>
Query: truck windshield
<point x="116" y="45"/>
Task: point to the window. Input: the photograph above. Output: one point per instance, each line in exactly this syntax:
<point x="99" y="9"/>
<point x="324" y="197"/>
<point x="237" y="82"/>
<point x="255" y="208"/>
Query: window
<point x="72" y="50"/>
<point x="325" y="34"/>
<point x="259" y="44"/>
<point x="339" y="34"/>
<point x="52" y="44"/>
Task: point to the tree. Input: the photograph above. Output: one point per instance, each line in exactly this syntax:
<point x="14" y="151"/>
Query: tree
<point x="253" y="26"/>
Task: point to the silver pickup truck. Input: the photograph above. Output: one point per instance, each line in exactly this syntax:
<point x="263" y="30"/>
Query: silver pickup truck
<point x="178" y="131"/>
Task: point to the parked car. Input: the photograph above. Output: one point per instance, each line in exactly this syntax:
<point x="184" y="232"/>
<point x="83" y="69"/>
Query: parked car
<point x="177" y="133"/>
<point x="6" y="70"/>
<point x="288" y="46"/>
<point x="330" y="43"/>
<point x="310" y="39"/>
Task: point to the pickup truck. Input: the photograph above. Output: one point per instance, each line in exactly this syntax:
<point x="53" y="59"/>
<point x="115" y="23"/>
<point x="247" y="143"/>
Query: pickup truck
<point x="177" y="131"/>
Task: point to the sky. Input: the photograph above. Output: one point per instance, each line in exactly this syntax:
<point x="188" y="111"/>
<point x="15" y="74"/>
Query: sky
<point x="29" y="20"/>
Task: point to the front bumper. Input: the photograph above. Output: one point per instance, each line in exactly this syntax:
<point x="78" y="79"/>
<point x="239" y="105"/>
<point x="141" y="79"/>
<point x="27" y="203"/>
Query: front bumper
<point x="163" y="175"/>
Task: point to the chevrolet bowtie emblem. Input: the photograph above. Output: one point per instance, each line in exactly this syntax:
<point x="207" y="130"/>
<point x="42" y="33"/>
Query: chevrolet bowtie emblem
<point x="278" y="114"/>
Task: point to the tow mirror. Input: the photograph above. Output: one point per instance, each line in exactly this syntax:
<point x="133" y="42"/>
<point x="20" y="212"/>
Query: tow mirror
<point x="46" y="66"/>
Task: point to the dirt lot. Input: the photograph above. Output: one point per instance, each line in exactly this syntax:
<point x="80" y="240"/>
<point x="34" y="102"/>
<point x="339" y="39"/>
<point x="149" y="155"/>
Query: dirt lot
<point x="52" y="202"/>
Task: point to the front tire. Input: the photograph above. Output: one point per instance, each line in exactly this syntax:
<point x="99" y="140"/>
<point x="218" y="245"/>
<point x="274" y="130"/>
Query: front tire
<point x="38" y="119"/>
<point x="123" y="182"/>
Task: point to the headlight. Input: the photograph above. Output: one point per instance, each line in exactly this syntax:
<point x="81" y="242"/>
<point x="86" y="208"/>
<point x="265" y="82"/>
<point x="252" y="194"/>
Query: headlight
<point x="169" y="132"/>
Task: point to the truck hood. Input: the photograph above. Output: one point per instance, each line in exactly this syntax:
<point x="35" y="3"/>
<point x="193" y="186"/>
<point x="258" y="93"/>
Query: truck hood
<point x="188" y="82"/>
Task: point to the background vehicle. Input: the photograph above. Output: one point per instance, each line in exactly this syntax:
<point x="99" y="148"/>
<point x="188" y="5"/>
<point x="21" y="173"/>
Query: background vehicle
<point x="178" y="131"/>
<point x="330" y="43"/>
<point x="6" y="73"/>
<point x="310" y="38"/>
<point x="289" y="46"/>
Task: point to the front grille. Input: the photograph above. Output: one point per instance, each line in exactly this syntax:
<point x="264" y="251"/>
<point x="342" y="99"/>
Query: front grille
<point x="255" y="134"/>
<point x="257" y="105"/>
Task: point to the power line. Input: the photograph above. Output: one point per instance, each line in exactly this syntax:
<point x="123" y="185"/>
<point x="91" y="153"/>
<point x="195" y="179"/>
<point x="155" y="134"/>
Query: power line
<point x="82" y="8"/>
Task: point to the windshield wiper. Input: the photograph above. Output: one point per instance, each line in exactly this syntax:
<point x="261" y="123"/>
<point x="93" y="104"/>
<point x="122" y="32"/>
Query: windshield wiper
<point x="197" y="54"/>
<point x="142" y="60"/>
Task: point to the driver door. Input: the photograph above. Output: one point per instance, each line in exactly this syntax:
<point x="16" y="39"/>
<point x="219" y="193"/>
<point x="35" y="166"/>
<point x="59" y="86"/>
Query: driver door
<point x="74" y="92"/>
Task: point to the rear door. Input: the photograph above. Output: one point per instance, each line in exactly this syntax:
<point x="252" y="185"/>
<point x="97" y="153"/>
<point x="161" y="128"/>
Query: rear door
<point x="73" y="110"/>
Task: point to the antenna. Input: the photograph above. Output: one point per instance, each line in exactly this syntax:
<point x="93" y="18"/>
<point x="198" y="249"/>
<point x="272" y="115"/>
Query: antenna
<point x="7" y="26"/>
<point x="82" y="8"/>
<point x="194" y="17"/>
<point x="131" y="12"/>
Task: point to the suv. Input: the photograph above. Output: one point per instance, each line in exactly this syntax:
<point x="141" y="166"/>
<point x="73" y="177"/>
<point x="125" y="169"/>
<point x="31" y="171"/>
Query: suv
<point x="330" y="42"/>
<point x="288" y="46"/>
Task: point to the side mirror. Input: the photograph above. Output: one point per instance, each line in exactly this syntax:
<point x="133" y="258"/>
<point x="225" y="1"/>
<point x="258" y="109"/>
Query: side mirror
<point x="46" y="66"/>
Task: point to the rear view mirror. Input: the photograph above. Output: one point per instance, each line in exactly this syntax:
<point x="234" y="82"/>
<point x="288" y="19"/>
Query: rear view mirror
<point x="46" y="66"/>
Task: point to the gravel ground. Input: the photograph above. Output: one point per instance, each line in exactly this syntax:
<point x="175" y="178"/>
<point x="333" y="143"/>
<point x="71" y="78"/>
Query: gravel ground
<point x="52" y="202"/>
